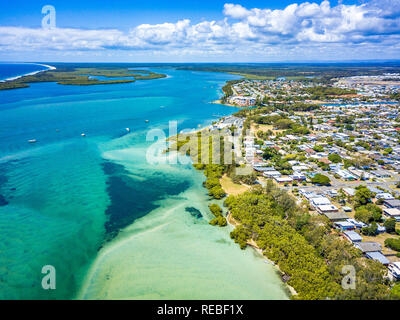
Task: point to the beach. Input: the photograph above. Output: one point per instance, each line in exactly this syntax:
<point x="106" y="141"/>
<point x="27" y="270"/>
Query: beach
<point x="48" y="67"/>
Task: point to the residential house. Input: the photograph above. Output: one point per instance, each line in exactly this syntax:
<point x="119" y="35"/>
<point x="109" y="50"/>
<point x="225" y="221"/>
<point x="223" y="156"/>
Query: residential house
<point x="352" y="236"/>
<point x="392" y="213"/>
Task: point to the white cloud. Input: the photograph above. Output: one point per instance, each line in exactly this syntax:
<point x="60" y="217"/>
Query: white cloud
<point x="235" y="11"/>
<point x="373" y="25"/>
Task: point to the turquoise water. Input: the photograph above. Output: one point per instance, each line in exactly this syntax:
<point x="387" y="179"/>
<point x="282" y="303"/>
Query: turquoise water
<point x="111" y="224"/>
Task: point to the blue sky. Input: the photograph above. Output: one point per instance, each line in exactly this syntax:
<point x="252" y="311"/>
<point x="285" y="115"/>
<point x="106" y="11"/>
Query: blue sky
<point x="201" y="31"/>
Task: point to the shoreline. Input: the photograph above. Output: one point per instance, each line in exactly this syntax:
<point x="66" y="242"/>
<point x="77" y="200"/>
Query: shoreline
<point x="226" y="104"/>
<point x="30" y="73"/>
<point x="251" y="243"/>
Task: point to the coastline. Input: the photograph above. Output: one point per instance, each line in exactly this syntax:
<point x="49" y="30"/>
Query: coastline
<point x="225" y="104"/>
<point x="30" y="73"/>
<point x="251" y="243"/>
<point x="232" y="222"/>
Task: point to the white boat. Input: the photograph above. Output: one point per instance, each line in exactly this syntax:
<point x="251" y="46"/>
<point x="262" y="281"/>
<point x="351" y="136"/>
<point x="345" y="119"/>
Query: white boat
<point x="127" y="129"/>
<point x="32" y="141"/>
<point x="83" y="135"/>
<point x="146" y="121"/>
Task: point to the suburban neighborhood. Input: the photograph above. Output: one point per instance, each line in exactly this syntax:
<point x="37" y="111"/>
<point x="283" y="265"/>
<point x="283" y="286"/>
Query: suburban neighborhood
<point x="335" y="148"/>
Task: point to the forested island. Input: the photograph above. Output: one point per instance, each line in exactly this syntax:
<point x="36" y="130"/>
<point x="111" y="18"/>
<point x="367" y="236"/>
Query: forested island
<point x="82" y="76"/>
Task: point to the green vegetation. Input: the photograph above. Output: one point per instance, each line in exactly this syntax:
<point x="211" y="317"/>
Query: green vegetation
<point x="318" y="148"/>
<point x="371" y="230"/>
<point x="306" y="71"/>
<point x="390" y="225"/>
<point x="362" y="196"/>
<point x="190" y="144"/>
<point x="326" y="93"/>
<point x="368" y="213"/>
<point x="81" y="76"/>
<point x="335" y="158"/>
<point x="321" y="179"/>
<point x="303" y="246"/>
<point x="395" y="292"/>
<point x="219" y="219"/>
<point x="227" y="89"/>
<point x="282" y="123"/>
<point x="393" y="244"/>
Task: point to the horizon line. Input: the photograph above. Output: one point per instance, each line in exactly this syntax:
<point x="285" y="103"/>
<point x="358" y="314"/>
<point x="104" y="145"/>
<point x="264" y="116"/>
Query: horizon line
<point x="214" y="62"/>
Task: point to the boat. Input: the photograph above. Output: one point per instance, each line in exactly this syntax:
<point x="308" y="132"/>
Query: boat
<point x="127" y="129"/>
<point x="146" y="121"/>
<point x="83" y="135"/>
<point x="32" y="141"/>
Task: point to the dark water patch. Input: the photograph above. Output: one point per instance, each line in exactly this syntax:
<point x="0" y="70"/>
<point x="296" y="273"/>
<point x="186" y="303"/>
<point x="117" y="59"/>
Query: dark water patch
<point x="224" y="241"/>
<point x="195" y="213"/>
<point x="110" y="168"/>
<point x="132" y="199"/>
<point x="3" y="201"/>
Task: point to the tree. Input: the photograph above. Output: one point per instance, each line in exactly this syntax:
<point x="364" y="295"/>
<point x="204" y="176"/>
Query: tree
<point x="284" y="124"/>
<point x="362" y="215"/>
<point x="349" y="127"/>
<point x="387" y="151"/>
<point x="217" y="192"/>
<point x="390" y="225"/>
<point x="393" y="244"/>
<point x="371" y="230"/>
<point x="362" y="196"/>
<point x="368" y="213"/>
<point x="215" y="210"/>
<point x="335" y="158"/>
<point x="211" y="183"/>
<point x="220" y="221"/>
<point x="248" y="179"/>
<point x="318" y="148"/>
<point x="270" y="153"/>
<point x="321" y="180"/>
<point x="395" y="292"/>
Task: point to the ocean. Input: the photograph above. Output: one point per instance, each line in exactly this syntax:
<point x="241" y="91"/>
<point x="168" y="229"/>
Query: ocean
<point x="113" y="225"/>
<point x="10" y="71"/>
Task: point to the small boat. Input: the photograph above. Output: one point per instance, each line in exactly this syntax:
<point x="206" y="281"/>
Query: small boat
<point x="83" y="135"/>
<point x="146" y="121"/>
<point x="32" y="141"/>
<point x="127" y="129"/>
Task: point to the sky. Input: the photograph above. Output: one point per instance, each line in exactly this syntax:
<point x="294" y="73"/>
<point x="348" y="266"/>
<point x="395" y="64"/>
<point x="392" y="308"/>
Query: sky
<point x="200" y="31"/>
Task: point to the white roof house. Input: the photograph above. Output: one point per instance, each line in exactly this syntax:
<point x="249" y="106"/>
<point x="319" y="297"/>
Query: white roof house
<point x="392" y="213"/>
<point x="350" y="191"/>
<point x="319" y="201"/>
<point x="272" y="174"/>
<point x="283" y="179"/>
<point x="327" y="208"/>
<point x="352" y="236"/>
<point x="300" y="168"/>
<point x="385" y="196"/>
